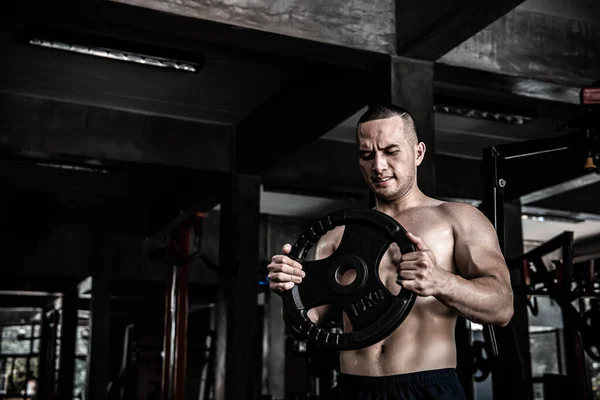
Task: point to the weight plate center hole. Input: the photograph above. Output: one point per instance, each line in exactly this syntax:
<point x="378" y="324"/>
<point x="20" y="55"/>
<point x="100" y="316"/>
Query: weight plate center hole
<point x="345" y="275"/>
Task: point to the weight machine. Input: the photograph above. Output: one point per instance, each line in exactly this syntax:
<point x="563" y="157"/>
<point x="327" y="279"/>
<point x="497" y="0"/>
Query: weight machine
<point x="507" y="172"/>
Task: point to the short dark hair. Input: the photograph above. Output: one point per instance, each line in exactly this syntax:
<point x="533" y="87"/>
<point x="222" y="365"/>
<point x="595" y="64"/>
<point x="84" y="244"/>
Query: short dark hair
<point x="382" y="111"/>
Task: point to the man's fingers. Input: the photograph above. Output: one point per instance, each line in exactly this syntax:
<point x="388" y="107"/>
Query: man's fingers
<point x="410" y="256"/>
<point x="417" y="241"/>
<point x="285" y="286"/>
<point x="280" y="277"/>
<point x="280" y="287"/>
<point x="407" y="284"/>
<point x="279" y="267"/>
<point x="407" y="265"/>
<point x="281" y="259"/>
<point x="292" y="271"/>
<point x="406" y="275"/>
<point x="286" y="248"/>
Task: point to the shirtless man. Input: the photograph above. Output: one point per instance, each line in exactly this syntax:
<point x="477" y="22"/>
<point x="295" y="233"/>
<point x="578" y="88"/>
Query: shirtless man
<point x="458" y="269"/>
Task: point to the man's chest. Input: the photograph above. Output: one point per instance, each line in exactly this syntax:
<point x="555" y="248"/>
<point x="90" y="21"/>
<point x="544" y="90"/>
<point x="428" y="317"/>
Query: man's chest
<point x="435" y="231"/>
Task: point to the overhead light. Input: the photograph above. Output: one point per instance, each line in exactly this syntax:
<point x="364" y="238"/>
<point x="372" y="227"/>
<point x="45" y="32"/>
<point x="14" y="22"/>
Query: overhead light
<point x="482" y="114"/>
<point x="538" y="218"/>
<point x="69" y="167"/>
<point x="552" y="218"/>
<point x="482" y="109"/>
<point x="117" y="55"/>
<point x="64" y="163"/>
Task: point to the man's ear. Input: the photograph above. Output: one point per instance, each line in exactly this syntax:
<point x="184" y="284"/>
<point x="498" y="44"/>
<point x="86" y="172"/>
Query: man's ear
<point x="420" y="150"/>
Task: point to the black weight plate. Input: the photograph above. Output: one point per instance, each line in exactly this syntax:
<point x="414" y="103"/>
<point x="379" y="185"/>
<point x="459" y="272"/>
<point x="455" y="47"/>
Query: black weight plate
<point x="373" y="311"/>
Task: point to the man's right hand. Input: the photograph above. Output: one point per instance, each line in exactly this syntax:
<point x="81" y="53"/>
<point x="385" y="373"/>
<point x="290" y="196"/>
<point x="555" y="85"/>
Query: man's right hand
<point x="284" y="272"/>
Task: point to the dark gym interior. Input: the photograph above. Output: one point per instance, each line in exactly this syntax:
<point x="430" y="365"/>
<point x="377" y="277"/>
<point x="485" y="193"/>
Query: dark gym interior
<point x="155" y="154"/>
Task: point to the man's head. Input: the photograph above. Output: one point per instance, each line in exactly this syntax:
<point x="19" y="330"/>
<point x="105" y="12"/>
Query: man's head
<point x="389" y="151"/>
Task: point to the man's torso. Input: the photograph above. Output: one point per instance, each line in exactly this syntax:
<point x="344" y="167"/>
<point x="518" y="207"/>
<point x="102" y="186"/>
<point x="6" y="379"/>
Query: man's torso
<point x="425" y="340"/>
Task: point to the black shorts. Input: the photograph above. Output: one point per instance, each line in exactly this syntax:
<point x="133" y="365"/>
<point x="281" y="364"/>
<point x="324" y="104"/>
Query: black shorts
<point x="439" y="384"/>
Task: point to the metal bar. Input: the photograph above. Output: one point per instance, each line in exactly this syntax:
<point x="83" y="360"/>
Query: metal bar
<point x="266" y="341"/>
<point x="182" y="315"/>
<point x="559" y="352"/>
<point x="592" y="278"/>
<point x="209" y="388"/>
<point x="536" y="153"/>
<point x="171" y="343"/>
<point x="572" y="340"/>
<point x="567" y="262"/>
<point x="27" y="366"/>
<point x="493" y="203"/>
<point x="538" y="146"/>
<point x="42" y="384"/>
<point x="277" y="353"/>
<point x="545" y="248"/>
<point x="99" y="341"/>
<point x="506" y="382"/>
<point x="238" y="288"/>
<point x="51" y="353"/>
<point x="572" y="184"/>
<point x="68" y="337"/>
<point x="207" y="355"/>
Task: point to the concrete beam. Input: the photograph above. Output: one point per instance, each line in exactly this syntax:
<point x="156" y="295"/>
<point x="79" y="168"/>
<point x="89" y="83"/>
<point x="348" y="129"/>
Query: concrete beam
<point x="536" y="45"/>
<point x="550" y="99"/>
<point x="316" y="172"/>
<point x="367" y="25"/>
<point x="586" y="249"/>
<point x="298" y="115"/>
<point x="99" y="134"/>
<point x="575" y="183"/>
<point x="428" y="29"/>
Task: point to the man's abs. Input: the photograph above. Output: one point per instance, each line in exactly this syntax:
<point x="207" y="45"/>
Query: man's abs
<point x="424" y="341"/>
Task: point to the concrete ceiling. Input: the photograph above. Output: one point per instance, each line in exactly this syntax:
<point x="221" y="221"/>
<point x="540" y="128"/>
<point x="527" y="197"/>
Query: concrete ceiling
<point x="577" y="10"/>
<point x="245" y="71"/>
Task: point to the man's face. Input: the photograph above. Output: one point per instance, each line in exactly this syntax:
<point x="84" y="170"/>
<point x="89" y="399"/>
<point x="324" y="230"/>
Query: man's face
<point x="387" y="158"/>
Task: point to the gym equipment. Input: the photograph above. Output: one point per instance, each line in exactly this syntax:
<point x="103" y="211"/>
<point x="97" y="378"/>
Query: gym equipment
<point x="557" y="284"/>
<point x="507" y="175"/>
<point x="125" y="385"/>
<point x="481" y="361"/>
<point x="373" y="311"/>
<point x="579" y="334"/>
<point x="177" y="254"/>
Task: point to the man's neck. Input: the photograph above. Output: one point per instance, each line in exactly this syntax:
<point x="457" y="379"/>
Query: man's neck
<point x="413" y="198"/>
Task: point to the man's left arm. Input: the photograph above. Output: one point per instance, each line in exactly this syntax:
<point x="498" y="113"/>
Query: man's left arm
<point x="482" y="291"/>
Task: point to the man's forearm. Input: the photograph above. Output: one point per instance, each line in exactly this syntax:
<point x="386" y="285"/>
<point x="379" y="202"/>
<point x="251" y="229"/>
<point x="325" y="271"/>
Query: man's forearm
<point x="485" y="300"/>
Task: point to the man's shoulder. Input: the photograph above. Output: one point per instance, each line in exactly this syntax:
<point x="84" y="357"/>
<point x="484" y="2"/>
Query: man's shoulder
<point x="464" y="217"/>
<point x="458" y="210"/>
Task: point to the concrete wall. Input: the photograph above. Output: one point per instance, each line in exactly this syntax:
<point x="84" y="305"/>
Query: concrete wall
<point x="367" y="25"/>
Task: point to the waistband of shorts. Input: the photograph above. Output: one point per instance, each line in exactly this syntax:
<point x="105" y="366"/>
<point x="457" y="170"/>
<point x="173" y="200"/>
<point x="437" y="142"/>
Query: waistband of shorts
<point x="420" y="378"/>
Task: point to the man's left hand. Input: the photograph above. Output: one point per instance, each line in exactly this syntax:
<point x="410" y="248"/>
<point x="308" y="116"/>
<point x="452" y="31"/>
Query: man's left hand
<point x="419" y="272"/>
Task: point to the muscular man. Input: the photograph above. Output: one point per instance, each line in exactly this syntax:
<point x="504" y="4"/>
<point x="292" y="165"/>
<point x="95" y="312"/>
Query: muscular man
<point x="458" y="269"/>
